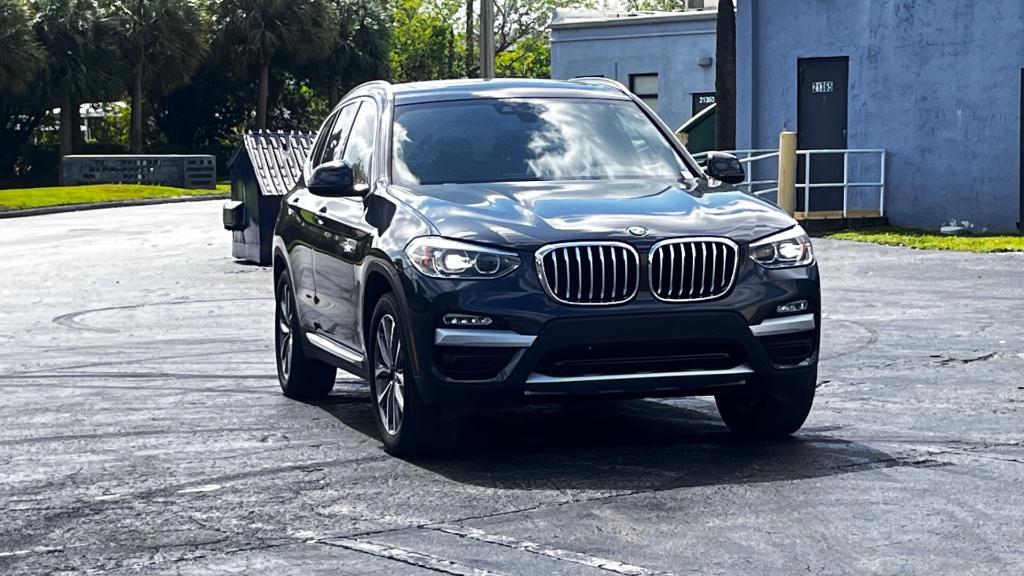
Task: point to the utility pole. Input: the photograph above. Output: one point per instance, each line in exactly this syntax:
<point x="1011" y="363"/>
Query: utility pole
<point x="469" y="37"/>
<point x="487" y="39"/>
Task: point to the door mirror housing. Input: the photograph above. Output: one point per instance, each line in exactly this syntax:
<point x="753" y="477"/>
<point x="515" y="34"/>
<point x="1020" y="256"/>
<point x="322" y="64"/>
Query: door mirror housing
<point x="333" y="179"/>
<point x="725" y="167"/>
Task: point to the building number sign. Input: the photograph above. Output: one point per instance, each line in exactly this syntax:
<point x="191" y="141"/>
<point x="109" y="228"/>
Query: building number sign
<point x="822" y="87"/>
<point x="706" y="100"/>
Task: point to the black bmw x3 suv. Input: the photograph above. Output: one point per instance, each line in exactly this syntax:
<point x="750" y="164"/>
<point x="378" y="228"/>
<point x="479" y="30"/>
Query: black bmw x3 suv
<point x="468" y="243"/>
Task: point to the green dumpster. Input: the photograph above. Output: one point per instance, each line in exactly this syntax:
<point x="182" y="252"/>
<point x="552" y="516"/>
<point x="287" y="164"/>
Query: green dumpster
<point x="698" y="133"/>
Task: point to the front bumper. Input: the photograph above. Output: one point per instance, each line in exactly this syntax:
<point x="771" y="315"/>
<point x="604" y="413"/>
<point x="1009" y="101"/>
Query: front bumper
<point x="530" y="328"/>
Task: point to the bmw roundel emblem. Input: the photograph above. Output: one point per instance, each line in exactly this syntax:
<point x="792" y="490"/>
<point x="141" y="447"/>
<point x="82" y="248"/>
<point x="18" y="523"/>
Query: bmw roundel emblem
<point x="638" y="231"/>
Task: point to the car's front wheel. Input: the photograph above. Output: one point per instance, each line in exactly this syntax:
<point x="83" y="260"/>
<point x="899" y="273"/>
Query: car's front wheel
<point x="407" y="425"/>
<point x="300" y="377"/>
<point x="768" y="408"/>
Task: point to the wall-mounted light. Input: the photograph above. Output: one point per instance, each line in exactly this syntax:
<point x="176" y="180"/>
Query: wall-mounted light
<point x="705" y="62"/>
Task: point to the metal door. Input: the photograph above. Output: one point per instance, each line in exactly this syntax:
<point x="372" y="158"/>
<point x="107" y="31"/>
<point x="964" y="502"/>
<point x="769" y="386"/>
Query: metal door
<point x="821" y="125"/>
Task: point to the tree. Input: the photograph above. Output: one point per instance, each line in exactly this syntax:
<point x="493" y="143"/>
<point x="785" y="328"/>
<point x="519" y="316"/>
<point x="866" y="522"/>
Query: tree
<point x="725" y="77"/>
<point x="162" y="42"/>
<point x="528" y="58"/>
<point x="522" y="44"/>
<point x="515" y="20"/>
<point x="656" y="5"/>
<point x="20" y="115"/>
<point x="423" y="40"/>
<point x="258" y="34"/>
<point x="359" y="50"/>
<point x="22" y="56"/>
<point x="82" y="64"/>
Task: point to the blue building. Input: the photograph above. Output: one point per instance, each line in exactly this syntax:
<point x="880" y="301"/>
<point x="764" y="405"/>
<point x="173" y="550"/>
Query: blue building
<point x="667" y="58"/>
<point x="938" y="85"/>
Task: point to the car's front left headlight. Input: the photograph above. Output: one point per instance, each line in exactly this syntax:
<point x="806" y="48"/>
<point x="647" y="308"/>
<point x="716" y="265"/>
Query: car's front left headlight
<point x="439" y="257"/>
<point x="787" y="249"/>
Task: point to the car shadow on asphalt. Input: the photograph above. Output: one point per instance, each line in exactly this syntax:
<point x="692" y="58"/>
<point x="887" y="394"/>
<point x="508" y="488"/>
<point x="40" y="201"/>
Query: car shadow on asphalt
<point x="622" y="445"/>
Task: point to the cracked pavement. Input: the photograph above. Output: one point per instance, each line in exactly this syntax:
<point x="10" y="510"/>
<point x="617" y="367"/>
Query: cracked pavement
<point x="142" y="431"/>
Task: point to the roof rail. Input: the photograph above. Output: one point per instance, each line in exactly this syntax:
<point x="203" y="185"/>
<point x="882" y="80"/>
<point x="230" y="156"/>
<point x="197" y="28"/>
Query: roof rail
<point x="382" y="84"/>
<point x="602" y="81"/>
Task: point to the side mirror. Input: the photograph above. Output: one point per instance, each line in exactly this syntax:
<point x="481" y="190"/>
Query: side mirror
<point x="332" y="178"/>
<point x="725" y="167"/>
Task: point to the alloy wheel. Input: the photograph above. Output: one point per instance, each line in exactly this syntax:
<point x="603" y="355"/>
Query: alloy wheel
<point x="389" y="375"/>
<point x="284" y="330"/>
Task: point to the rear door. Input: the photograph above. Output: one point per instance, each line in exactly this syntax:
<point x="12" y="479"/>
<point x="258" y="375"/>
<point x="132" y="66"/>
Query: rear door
<point x="821" y="125"/>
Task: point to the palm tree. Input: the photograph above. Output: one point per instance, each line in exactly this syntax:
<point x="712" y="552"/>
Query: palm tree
<point x="82" y="63"/>
<point x="162" y="42"/>
<point x="262" y="33"/>
<point x="21" y="55"/>
<point x="725" y="77"/>
<point x="360" y="49"/>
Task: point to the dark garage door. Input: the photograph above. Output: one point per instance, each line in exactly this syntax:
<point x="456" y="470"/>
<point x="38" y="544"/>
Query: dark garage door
<point x="821" y="125"/>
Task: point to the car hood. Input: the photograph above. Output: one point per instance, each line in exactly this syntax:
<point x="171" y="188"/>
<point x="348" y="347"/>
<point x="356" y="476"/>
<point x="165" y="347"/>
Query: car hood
<point x="529" y="214"/>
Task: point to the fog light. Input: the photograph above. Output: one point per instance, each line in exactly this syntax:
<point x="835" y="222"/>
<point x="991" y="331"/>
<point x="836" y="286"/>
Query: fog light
<point x="798" y="306"/>
<point x="466" y="320"/>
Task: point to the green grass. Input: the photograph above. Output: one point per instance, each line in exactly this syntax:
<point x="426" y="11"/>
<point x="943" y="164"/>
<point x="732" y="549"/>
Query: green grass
<point x="21" y="199"/>
<point x="926" y="240"/>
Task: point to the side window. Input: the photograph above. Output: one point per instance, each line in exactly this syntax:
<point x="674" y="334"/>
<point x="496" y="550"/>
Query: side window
<point x="340" y="132"/>
<point x="359" y="150"/>
<point x="321" y="141"/>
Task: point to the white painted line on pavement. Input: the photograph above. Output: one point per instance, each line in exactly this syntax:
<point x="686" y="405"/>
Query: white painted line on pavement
<point x="201" y="489"/>
<point x="407" y="557"/>
<point x="539" y="549"/>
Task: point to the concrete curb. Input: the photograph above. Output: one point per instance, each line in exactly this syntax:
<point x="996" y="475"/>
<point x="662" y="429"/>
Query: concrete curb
<point x="99" y="205"/>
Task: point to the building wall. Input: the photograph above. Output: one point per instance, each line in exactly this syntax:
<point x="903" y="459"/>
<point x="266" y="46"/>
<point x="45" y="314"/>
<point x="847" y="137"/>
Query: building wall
<point x="937" y="84"/>
<point x="670" y="49"/>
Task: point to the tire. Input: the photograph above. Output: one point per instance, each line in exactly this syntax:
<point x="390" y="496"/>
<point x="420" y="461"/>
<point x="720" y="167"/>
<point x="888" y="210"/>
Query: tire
<point x="768" y="408"/>
<point x="407" y="425"/>
<point x="301" y="378"/>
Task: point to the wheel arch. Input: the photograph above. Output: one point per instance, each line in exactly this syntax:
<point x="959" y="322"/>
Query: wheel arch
<point x="380" y="279"/>
<point x="279" y="259"/>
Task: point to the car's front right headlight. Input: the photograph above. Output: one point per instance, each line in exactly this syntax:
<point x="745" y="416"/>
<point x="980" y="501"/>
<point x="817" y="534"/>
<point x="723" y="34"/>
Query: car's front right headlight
<point x="440" y="257"/>
<point x="787" y="249"/>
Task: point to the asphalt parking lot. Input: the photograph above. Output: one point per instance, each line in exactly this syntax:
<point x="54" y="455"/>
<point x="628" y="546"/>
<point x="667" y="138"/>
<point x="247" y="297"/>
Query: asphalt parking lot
<point x="142" y="430"/>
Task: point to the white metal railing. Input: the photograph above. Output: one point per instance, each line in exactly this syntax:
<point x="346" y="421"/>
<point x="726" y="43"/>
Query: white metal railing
<point x="749" y="157"/>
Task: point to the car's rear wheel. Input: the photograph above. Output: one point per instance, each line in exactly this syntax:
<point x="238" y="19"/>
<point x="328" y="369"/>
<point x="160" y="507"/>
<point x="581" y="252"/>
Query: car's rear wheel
<point x="300" y="377"/>
<point x="768" y="408"/>
<point x="407" y="425"/>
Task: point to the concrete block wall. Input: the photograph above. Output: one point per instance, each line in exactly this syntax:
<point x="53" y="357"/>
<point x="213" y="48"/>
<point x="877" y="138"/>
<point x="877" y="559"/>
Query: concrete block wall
<point x="669" y="47"/>
<point x="937" y="84"/>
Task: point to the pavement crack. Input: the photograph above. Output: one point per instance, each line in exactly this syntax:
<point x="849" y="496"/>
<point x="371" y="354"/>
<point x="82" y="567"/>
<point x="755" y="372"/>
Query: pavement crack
<point x="947" y="360"/>
<point x="126" y="434"/>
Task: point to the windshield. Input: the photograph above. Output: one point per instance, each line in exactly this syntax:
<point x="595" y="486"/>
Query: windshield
<point x="528" y="139"/>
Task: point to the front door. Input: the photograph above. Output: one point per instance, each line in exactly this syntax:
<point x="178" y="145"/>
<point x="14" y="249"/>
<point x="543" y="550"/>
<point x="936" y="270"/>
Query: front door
<point x="347" y="236"/>
<point x="821" y="125"/>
